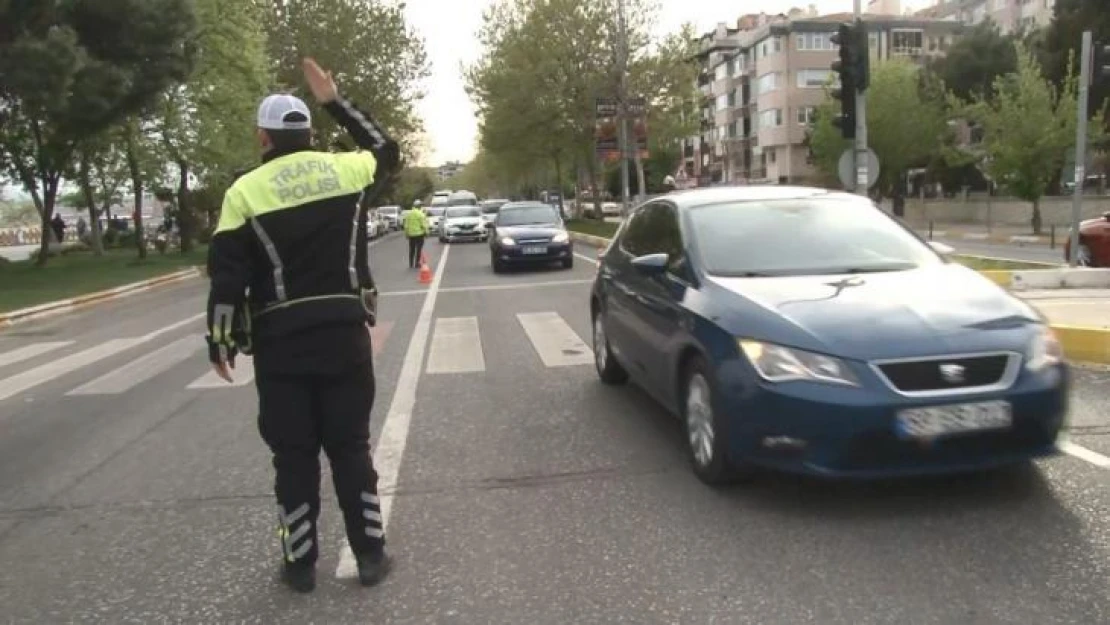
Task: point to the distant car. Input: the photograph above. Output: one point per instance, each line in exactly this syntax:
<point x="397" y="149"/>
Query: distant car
<point x="390" y="216"/>
<point x="435" y="216"/>
<point x="462" y="223"/>
<point x="529" y="233"/>
<point x="462" y="198"/>
<point x="490" y="208"/>
<point x="805" y="330"/>
<point x="1094" y="242"/>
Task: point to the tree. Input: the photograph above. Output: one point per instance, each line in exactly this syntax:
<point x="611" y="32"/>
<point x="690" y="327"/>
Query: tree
<point x="1027" y="129"/>
<point x="207" y="124"/>
<point x="377" y="59"/>
<point x="1062" y="40"/>
<point x="70" y="70"/>
<point x="971" y="65"/>
<point x="100" y="171"/>
<point x="906" y="126"/>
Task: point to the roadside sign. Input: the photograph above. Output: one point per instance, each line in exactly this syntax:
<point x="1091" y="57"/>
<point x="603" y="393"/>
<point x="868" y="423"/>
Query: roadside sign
<point x="851" y="176"/>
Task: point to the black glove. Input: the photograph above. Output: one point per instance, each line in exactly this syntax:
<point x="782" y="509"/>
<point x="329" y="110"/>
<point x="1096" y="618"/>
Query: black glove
<point x="221" y="352"/>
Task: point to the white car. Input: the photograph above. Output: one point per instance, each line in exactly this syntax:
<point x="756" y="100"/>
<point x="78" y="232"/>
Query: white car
<point x="435" y="216"/>
<point x="390" y="216"/>
<point x="463" y="223"/>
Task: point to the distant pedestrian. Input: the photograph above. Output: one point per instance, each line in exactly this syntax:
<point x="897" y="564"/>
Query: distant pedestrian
<point x="415" y="224"/>
<point x="59" y="226"/>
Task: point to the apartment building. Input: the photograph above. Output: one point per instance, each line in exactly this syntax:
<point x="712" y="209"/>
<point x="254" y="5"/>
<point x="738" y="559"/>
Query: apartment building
<point x="1010" y="15"/>
<point x="763" y="79"/>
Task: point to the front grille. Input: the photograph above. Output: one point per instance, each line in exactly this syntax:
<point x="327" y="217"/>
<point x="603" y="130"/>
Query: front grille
<point x="533" y="241"/>
<point x="941" y="374"/>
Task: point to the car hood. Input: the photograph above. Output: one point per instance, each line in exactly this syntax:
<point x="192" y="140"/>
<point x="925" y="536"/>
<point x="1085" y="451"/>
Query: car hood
<point x="932" y="310"/>
<point x="529" y="232"/>
<point x="463" y="221"/>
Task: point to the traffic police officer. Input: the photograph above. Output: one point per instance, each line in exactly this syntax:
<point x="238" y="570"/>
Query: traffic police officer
<point x="290" y="277"/>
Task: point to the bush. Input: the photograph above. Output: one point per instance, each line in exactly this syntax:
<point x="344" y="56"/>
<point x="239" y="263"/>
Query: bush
<point x="110" y="237"/>
<point x="128" y="239"/>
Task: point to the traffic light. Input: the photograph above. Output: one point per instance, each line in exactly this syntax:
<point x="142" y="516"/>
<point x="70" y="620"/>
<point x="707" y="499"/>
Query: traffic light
<point x="1100" y="69"/>
<point x="845" y="68"/>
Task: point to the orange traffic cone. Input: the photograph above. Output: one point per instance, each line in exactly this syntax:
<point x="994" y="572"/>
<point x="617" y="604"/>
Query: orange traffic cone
<point x="425" y="270"/>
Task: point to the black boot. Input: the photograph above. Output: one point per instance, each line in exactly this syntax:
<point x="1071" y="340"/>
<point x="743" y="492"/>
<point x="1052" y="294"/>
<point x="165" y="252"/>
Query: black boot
<point x="373" y="567"/>
<point x="299" y="577"/>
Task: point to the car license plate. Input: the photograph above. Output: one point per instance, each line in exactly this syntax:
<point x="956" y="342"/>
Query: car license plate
<point x="535" y="249"/>
<point x="935" y="421"/>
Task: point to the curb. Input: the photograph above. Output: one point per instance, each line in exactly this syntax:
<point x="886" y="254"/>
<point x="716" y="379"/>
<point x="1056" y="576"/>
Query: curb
<point x="82" y="301"/>
<point x="984" y="237"/>
<point x="1081" y="344"/>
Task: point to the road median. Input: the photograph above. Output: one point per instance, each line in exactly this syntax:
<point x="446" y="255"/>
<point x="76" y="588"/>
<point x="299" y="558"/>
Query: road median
<point x="1081" y="343"/>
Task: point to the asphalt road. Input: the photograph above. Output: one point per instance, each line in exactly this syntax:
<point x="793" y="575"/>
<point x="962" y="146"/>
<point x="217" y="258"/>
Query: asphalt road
<point x="1013" y="251"/>
<point x="521" y="489"/>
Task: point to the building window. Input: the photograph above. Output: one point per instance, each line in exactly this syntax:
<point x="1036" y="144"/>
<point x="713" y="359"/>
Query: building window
<point x="770" y="155"/>
<point x="813" y="78"/>
<point x="777" y="43"/>
<point x="811" y="42"/>
<point x="873" y="41"/>
<point x="807" y="115"/>
<point x="721" y="72"/>
<point x="732" y="98"/>
<point x="770" y="118"/>
<point x="732" y="130"/>
<point x="768" y="83"/>
<point x="722" y="102"/>
<point x="907" y="42"/>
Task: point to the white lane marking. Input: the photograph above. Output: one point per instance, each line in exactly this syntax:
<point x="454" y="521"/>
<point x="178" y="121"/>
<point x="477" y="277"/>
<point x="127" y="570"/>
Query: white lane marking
<point x="586" y="258"/>
<point x="44" y="373"/>
<point x="1083" y="453"/>
<point x="456" y="346"/>
<point x="517" y="285"/>
<point x="138" y="371"/>
<point x="30" y="351"/>
<point x="400" y="293"/>
<point x="554" y="340"/>
<point x="241" y="375"/>
<point x="395" y="430"/>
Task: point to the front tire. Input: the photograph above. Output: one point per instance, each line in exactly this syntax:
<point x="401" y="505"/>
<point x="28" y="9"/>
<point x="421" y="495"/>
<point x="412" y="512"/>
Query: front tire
<point x="568" y="262"/>
<point x="706" y="434"/>
<point x="608" y="369"/>
<point x="495" y="263"/>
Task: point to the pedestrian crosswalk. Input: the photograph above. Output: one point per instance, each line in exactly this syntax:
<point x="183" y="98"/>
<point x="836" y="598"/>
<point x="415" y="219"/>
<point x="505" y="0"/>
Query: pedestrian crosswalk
<point x="458" y="345"/>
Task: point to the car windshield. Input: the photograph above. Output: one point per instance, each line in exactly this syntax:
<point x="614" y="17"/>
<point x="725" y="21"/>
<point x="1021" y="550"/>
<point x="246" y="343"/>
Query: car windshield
<point x="804" y="236"/>
<point x="491" y="208"/>
<point x="463" y="211"/>
<point x="462" y="201"/>
<point x="527" y="216"/>
<point x="387" y="210"/>
<point x="434" y="211"/>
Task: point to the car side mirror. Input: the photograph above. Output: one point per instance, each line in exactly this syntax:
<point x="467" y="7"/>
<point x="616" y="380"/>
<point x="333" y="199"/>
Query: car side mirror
<point x="651" y="264"/>
<point x="941" y="248"/>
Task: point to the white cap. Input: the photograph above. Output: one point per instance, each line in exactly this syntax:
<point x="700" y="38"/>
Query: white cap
<point x="274" y="109"/>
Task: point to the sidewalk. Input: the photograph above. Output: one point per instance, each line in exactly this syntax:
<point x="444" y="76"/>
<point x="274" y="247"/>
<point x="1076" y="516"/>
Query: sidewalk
<point x="1074" y="307"/>
<point x="1013" y="235"/>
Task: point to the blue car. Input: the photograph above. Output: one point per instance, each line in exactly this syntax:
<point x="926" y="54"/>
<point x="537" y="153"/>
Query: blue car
<point x="805" y="330"/>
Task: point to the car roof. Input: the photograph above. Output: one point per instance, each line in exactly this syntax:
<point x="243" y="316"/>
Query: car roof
<point x="714" y="195"/>
<point x="526" y="204"/>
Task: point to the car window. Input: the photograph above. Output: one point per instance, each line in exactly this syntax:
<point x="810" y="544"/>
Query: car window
<point x="804" y="236"/>
<point x="434" y="211"/>
<point x="527" y="216"/>
<point x="462" y="211"/>
<point x="654" y="229"/>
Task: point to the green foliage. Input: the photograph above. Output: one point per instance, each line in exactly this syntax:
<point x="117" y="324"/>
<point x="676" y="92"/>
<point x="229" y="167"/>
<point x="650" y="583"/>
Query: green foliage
<point x="974" y="61"/>
<point x="1027" y="129"/>
<point x="71" y="70"/>
<point x="376" y="58"/>
<point x="906" y="124"/>
<point x="1061" y="45"/>
<point x="414" y="183"/>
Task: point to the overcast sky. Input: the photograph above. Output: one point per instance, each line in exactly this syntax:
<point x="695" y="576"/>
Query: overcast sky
<point x="448" y="28"/>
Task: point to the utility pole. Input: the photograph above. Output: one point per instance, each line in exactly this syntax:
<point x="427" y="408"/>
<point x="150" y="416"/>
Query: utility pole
<point x="1080" y="146"/>
<point x="622" y="103"/>
<point x="861" y="103"/>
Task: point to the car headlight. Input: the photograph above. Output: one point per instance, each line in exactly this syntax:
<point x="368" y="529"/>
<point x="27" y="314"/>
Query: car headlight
<point x="776" y="363"/>
<point x="1045" y="350"/>
<point x="507" y="242"/>
<point x="560" y="237"/>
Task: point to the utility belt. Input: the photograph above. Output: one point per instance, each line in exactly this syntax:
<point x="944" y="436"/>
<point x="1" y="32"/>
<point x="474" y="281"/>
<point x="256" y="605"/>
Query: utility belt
<point x="278" y="318"/>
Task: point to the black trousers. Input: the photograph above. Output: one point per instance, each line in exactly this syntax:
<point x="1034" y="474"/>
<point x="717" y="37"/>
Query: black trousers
<point x="416" y="246"/>
<point x="299" y="415"/>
